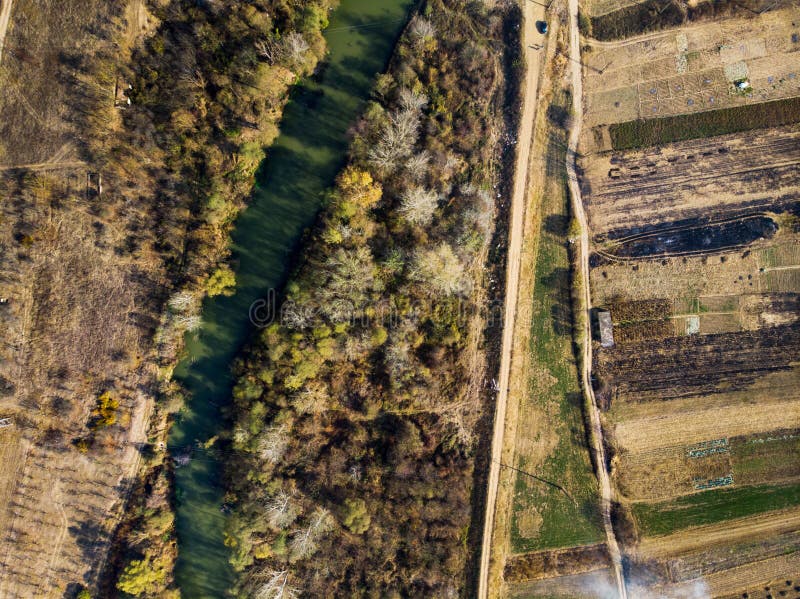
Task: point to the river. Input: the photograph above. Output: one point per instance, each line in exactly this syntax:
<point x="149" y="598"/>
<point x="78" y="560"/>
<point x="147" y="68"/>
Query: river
<point x="300" y="166"/>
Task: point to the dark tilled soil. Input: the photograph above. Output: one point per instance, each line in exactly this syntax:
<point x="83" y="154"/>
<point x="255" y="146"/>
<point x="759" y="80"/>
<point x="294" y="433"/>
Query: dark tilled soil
<point x="675" y="367"/>
<point x="707" y="238"/>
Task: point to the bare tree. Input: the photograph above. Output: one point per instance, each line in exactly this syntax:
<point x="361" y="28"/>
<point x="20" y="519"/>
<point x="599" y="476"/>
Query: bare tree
<point x="183" y="301"/>
<point x="311" y="399"/>
<point x="270" y="49"/>
<point x="410" y="100"/>
<point x="351" y="276"/>
<point x="293" y="315"/>
<point x="417" y="165"/>
<point x="296" y="47"/>
<point x="396" y="141"/>
<point x="188" y="322"/>
<point x="421" y="30"/>
<point x="273" y="443"/>
<point x="481" y="212"/>
<point x="418" y="204"/>
<point x="289" y="51"/>
<point x="272" y="584"/>
<point x="281" y="510"/>
<point x="304" y="541"/>
<point x="440" y="268"/>
<point x="195" y="78"/>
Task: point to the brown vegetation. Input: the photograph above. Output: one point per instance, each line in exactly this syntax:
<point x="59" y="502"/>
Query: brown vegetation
<point x="565" y="562"/>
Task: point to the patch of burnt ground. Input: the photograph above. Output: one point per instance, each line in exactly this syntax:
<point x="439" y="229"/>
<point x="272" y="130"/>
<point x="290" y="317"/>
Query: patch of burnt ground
<point x="705" y="238"/>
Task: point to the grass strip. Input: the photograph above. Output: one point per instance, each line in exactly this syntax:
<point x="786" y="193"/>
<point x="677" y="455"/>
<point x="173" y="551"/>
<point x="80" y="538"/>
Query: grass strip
<point x="713" y="506"/>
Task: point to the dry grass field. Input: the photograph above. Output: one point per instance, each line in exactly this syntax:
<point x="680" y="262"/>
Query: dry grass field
<point x="692" y="68"/>
<point x="696" y="254"/>
<point x="588" y="585"/>
<point x="79" y="297"/>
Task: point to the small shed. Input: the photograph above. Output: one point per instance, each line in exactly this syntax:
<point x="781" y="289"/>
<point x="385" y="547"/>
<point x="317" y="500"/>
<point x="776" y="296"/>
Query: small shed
<point x="606" y="328"/>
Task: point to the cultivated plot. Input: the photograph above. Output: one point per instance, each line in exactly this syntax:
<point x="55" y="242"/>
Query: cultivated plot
<point x="692" y="69"/>
<point x="696" y="258"/>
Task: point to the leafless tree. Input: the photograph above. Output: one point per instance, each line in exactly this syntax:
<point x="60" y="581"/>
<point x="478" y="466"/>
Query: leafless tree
<point x="351" y="276"/>
<point x="418" y="204"/>
<point x="188" y="322"/>
<point x="296" y="48"/>
<point x="289" y="51"/>
<point x="311" y="399"/>
<point x="304" y="541"/>
<point x="195" y="78"/>
<point x="273" y="584"/>
<point x="273" y="443"/>
<point x="421" y="30"/>
<point x="481" y="212"/>
<point x="410" y="100"/>
<point x="396" y="140"/>
<point x="440" y="268"/>
<point x="293" y="315"/>
<point x="182" y="301"/>
<point x="281" y="510"/>
<point x="270" y="49"/>
<point x="417" y="165"/>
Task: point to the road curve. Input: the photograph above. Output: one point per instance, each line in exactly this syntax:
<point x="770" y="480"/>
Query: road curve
<point x="5" y="14"/>
<point x="580" y="215"/>
<point x="531" y="12"/>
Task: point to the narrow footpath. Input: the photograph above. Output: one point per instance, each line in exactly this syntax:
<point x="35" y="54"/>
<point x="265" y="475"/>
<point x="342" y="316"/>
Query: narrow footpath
<point x="577" y="208"/>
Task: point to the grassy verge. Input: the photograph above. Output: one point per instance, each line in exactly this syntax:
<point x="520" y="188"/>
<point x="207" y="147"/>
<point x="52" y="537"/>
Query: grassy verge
<point x="653" y="132"/>
<point x="551" y="417"/>
<point x="713" y="506"/>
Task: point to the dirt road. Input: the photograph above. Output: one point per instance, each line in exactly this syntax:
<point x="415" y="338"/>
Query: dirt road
<point x="580" y="215"/>
<point x="532" y="12"/>
<point x="5" y="13"/>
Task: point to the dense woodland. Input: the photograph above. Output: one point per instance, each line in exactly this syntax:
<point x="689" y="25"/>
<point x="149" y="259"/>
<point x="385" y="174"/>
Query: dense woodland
<point x="357" y="411"/>
<point x="207" y="89"/>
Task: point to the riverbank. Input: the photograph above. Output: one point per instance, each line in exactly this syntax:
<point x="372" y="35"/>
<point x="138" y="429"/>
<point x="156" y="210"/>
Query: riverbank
<point x="301" y="165"/>
<point x="358" y="416"/>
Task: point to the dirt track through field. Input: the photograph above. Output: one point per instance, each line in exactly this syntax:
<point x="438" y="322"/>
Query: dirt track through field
<point x="532" y="12"/>
<point x="5" y="13"/>
<point x="580" y="215"/>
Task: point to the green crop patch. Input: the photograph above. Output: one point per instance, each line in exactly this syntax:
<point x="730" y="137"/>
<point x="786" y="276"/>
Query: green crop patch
<point x="653" y="132"/>
<point x="713" y="506"/>
<point x="772" y="456"/>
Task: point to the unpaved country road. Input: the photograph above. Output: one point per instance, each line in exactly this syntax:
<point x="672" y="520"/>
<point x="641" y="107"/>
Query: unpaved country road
<point x="5" y="14"/>
<point x="580" y="215"/>
<point x="532" y="12"/>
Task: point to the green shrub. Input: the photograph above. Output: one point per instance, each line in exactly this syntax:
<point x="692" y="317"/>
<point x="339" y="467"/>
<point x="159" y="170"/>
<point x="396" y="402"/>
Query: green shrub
<point x="141" y="575"/>
<point x="104" y="413"/>
<point x="221" y="282"/>
<point x="355" y="519"/>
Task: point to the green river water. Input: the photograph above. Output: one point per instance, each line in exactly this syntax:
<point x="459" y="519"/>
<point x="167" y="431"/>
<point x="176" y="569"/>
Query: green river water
<point x="301" y="164"/>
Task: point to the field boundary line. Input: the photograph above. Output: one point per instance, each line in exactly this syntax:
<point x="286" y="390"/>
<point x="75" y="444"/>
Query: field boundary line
<point x="596" y="432"/>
